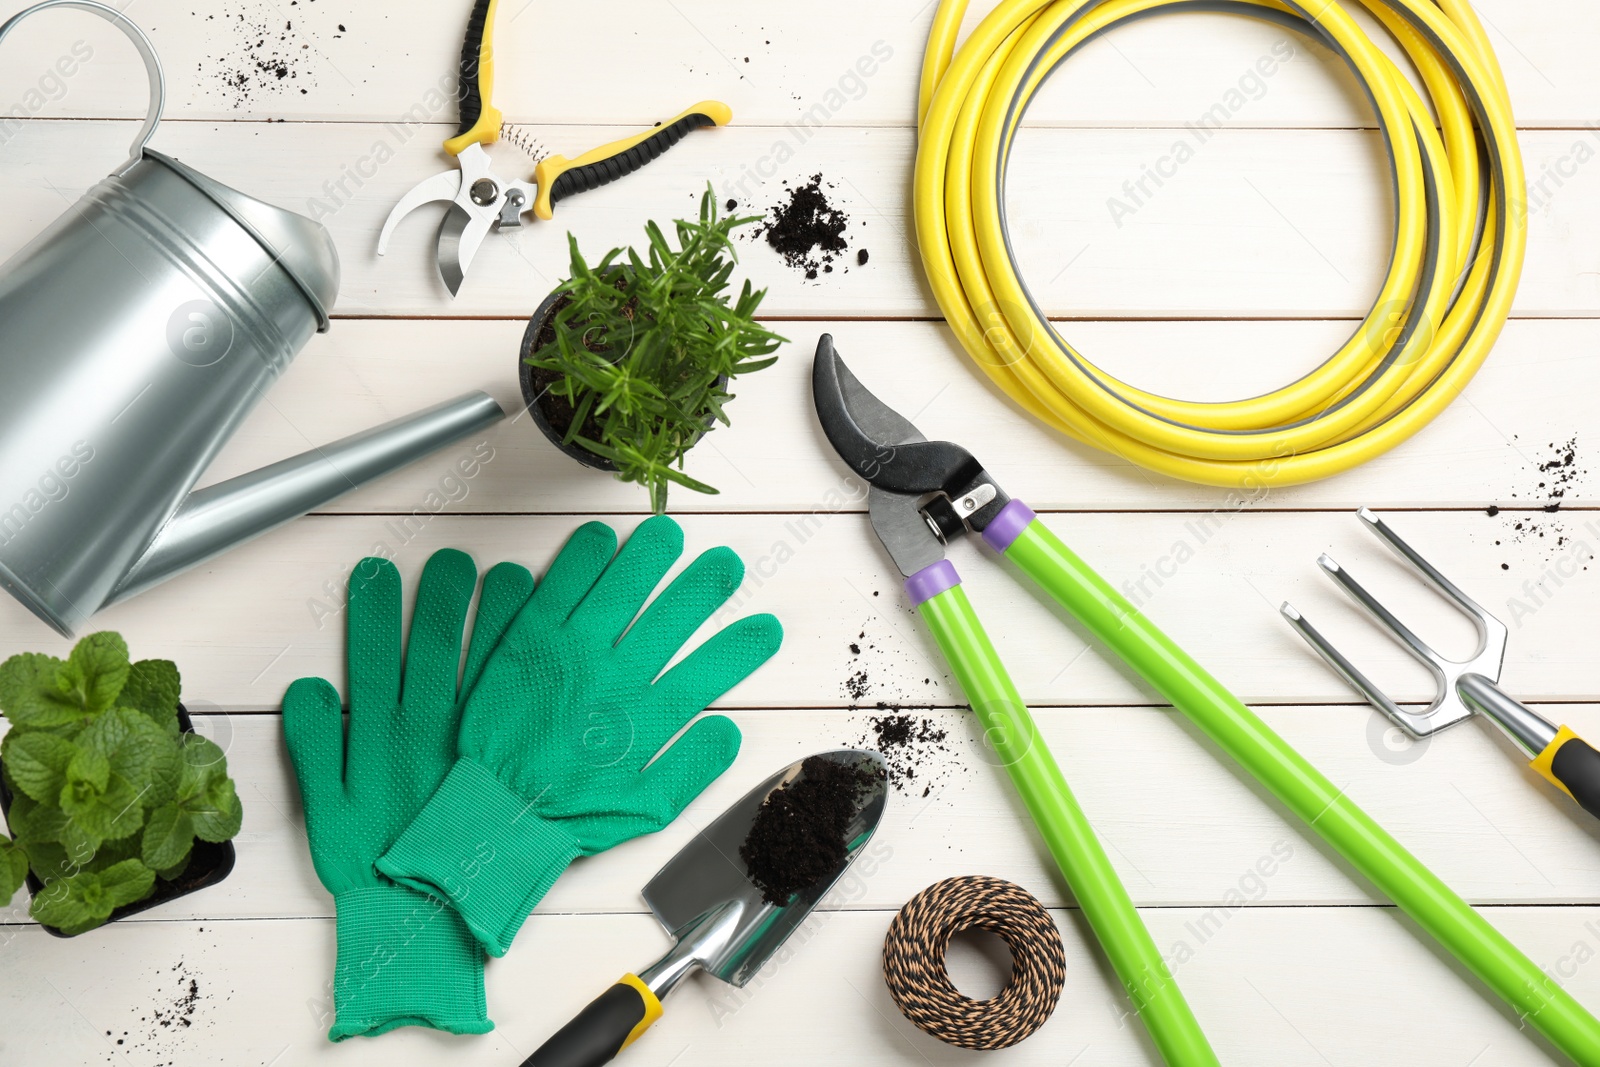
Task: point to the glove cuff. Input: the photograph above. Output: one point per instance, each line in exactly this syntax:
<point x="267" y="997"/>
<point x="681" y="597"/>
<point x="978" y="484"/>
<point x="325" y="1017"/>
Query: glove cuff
<point x="480" y="846"/>
<point x="404" y="959"/>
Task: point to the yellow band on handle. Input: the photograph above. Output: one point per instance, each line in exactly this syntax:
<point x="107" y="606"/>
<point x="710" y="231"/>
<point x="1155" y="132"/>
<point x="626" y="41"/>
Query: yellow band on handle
<point x="1543" y="762"/>
<point x="652" y="1007"/>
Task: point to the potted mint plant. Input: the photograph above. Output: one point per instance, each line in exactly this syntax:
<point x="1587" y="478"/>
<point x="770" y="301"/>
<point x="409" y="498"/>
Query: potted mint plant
<point x="627" y="364"/>
<point x="113" y="802"/>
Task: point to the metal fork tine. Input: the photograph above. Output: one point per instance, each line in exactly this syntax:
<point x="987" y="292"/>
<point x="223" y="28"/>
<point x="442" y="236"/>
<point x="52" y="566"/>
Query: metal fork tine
<point x="1397" y="629"/>
<point x="1349" y="672"/>
<point x="1490" y="629"/>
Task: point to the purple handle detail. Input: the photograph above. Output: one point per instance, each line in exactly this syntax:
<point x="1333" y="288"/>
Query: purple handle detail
<point x="930" y="581"/>
<point x="1007" y="526"/>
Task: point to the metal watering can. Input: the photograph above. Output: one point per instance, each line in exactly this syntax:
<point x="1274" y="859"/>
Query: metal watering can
<point x="136" y="333"/>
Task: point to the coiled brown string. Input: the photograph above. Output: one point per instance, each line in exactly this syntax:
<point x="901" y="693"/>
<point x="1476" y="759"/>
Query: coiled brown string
<point x="914" y="962"/>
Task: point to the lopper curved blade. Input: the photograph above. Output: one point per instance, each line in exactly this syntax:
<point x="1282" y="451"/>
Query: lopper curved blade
<point x="442" y="186"/>
<point x="878" y="442"/>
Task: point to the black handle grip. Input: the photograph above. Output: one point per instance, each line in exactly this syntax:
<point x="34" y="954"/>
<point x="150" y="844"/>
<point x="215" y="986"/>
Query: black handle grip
<point x="467" y="92"/>
<point x="601" y="1030"/>
<point x="1577" y="766"/>
<point x="594" y="175"/>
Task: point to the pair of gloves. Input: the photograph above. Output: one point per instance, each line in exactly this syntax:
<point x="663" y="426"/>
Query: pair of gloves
<point x="457" y="797"/>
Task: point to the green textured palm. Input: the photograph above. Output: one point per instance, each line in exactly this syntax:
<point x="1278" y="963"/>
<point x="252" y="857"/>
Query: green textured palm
<point x="404" y="708"/>
<point x="573" y="708"/>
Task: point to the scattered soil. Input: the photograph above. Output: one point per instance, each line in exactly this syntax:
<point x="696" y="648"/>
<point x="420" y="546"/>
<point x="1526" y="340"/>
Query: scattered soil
<point x="263" y="52"/>
<point x="160" y="1036"/>
<point x="798" y="838"/>
<point x="916" y="748"/>
<point x="1553" y="474"/>
<point x="914" y="742"/>
<point x="806" y="230"/>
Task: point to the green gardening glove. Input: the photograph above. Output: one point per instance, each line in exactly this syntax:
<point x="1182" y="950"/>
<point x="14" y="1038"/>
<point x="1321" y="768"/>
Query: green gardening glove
<point x="558" y="732"/>
<point x="404" y="958"/>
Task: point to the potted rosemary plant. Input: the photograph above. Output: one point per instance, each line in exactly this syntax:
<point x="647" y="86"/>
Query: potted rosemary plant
<point x="113" y="802"/>
<point x="627" y="363"/>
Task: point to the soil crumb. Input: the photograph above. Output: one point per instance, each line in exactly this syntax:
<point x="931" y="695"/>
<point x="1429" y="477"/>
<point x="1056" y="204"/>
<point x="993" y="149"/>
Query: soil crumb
<point x="805" y="229"/>
<point x="798" y="838"/>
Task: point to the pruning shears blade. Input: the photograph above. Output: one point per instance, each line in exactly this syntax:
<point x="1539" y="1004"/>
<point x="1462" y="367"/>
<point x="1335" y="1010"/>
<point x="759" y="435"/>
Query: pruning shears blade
<point x="862" y="429"/>
<point x="460" y="234"/>
<point x="878" y="442"/>
<point x="446" y="185"/>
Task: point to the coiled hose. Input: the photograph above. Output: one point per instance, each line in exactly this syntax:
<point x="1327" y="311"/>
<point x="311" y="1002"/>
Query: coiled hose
<point x="1457" y="249"/>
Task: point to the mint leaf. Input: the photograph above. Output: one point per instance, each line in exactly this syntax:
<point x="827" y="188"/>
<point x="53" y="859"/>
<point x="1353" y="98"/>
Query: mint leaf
<point x="127" y="882"/>
<point x="87" y="772"/>
<point x="153" y="686"/>
<point x="107" y="813"/>
<point x="32" y="821"/>
<point x="37" y="763"/>
<point x="112" y="852"/>
<point x="78" y="843"/>
<point x="204" y="764"/>
<point x="59" y="905"/>
<point x="13" y="869"/>
<point x="172" y="873"/>
<point x="218" y="814"/>
<point x="168" y="836"/>
<point x="98" y="668"/>
<point x="106" y="733"/>
<point x="87" y="899"/>
<point x="138" y="750"/>
<point x="29" y="695"/>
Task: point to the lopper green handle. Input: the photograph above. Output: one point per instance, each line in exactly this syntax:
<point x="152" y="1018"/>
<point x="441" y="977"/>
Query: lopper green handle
<point x="1301" y="787"/>
<point x="1010" y="729"/>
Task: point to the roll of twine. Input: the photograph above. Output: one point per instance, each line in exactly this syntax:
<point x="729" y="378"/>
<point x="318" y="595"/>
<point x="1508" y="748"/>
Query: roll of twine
<point x="919" y="981"/>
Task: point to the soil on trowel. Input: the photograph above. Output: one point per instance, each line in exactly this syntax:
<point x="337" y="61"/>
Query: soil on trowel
<point x="806" y="230"/>
<point x="798" y="838"/>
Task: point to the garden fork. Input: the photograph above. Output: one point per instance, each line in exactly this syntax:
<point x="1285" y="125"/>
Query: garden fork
<point x="1464" y="686"/>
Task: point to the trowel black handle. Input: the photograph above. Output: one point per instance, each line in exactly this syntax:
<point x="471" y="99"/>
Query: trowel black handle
<point x="611" y="1022"/>
<point x="1572" y="763"/>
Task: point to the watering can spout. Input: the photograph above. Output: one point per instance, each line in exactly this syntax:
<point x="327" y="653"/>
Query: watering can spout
<point x="221" y="516"/>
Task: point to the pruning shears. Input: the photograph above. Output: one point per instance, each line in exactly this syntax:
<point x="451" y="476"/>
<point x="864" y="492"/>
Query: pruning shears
<point x="925" y="494"/>
<point x="479" y="200"/>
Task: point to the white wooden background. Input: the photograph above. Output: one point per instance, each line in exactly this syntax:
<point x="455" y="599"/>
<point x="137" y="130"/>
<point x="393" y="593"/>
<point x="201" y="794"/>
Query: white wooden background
<point x="1245" y="269"/>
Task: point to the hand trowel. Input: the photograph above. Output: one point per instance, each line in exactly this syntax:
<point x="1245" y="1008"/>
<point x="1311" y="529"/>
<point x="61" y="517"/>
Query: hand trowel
<point x="716" y="915"/>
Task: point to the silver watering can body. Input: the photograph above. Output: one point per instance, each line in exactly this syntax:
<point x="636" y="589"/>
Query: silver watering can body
<point x="136" y="333"/>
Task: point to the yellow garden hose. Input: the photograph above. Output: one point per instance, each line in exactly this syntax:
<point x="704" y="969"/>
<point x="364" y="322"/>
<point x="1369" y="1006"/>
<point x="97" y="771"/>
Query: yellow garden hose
<point x="1457" y="249"/>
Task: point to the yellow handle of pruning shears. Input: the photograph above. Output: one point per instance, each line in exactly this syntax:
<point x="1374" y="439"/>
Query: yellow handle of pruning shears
<point x="480" y="120"/>
<point x="558" y="176"/>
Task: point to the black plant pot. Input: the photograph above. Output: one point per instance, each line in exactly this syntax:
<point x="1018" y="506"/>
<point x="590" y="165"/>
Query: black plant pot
<point x="531" y="393"/>
<point x="209" y="862"/>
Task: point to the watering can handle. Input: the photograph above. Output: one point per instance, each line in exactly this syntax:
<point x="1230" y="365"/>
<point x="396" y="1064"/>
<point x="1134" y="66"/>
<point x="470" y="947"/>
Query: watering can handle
<point x="152" y="64"/>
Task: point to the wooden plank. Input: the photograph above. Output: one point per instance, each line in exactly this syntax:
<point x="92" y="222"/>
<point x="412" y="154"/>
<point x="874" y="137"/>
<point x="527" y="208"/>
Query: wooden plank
<point x="1259" y="223"/>
<point x="1162" y="72"/>
<point x="1486" y="448"/>
<point x="1290" y="986"/>
<point x="246" y="624"/>
<point x="1183" y="826"/>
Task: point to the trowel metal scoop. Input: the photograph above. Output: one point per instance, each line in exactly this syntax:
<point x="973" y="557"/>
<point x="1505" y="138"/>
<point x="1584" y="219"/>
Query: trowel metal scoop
<point x="136" y="333"/>
<point x="716" y="916"/>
